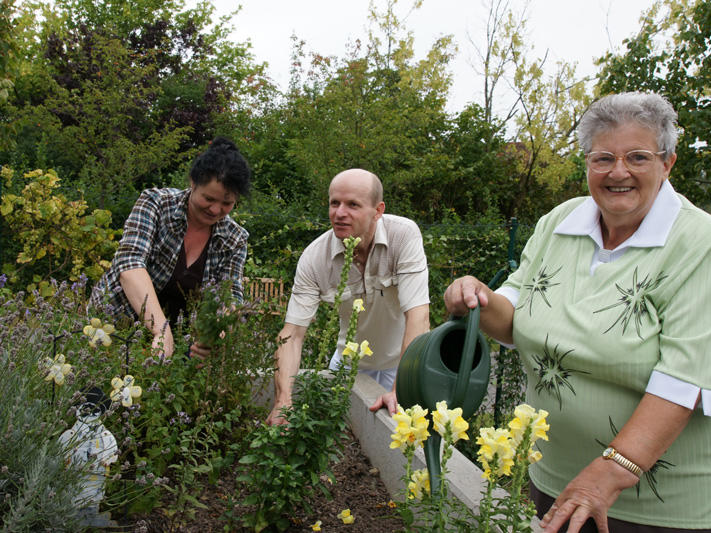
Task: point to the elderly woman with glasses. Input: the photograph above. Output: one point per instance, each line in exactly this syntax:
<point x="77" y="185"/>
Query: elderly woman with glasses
<point x="609" y="312"/>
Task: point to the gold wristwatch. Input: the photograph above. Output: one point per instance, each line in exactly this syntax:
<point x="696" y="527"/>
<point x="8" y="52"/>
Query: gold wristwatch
<point x="611" y="453"/>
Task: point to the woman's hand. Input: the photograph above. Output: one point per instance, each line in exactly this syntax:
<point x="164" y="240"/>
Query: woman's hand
<point x="589" y="495"/>
<point x="496" y="319"/>
<point x="464" y="294"/>
<point x="276" y="416"/>
<point x="163" y="341"/>
<point x="201" y="351"/>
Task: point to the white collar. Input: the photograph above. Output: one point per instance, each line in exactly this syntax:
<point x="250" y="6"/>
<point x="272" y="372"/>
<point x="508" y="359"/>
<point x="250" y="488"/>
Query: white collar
<point x="653" y="231"/>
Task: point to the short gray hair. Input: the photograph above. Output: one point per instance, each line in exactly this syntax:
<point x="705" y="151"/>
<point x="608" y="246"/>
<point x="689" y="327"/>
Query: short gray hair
<point x="649" y="110"/>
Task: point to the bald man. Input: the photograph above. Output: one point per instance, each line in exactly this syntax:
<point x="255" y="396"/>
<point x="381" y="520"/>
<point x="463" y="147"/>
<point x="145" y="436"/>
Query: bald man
<point x="389" y="273"/>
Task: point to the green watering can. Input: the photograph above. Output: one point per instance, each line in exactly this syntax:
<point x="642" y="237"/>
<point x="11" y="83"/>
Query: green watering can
<point x="450" y="363"/>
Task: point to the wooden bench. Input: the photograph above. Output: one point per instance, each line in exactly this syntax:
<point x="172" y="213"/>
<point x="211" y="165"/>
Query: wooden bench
<point x="267" y="290"/>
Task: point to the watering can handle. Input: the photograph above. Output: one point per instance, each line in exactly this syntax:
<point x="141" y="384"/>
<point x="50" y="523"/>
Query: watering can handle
<point x="470" y="343"/>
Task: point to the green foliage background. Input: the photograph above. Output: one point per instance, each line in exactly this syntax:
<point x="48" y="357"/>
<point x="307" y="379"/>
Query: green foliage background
<point x="115" y="97"/>
<point x="99" y="100"/>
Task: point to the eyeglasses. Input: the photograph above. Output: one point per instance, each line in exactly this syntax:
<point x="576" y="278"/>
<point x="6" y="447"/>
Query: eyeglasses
<point x="634" y="160"/>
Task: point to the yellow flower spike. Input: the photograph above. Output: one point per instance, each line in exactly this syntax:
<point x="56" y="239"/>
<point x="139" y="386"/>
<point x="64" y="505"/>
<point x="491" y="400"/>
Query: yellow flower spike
<point x="316" y="526"/>
<point x="419" y="484"/>
<point x="358" y="306"/>
<point x="420" y="423"/>
<point x="365" y="349"/>
<point x="444" y="417"/>
<point x="411" y="427"/>
<point x="496" y="446"/>
<point x="526" y="416"/>
<point x="57" y="369"/>
<point x="346" y="516"/>
<point x="351" y="349"/>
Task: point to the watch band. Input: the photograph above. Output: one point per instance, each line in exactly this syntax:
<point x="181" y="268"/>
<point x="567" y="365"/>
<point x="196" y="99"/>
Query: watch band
<point x="611" y="453"/>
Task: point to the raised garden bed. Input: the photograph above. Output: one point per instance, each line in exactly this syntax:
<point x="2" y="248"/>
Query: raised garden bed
<point x="373" y="432"/>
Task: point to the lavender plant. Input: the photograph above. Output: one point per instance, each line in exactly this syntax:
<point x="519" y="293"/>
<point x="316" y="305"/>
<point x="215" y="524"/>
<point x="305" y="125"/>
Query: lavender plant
<point x="37" y="489"/>
<point x="177" y="421"/>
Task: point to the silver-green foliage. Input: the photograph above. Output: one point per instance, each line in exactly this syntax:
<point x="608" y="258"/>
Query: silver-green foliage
<point x="36" y="486"/>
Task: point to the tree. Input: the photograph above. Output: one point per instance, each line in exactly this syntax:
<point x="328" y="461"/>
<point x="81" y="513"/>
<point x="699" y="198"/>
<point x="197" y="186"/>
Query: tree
<point x="483" y="177"/>
<point x="8" y="48"/>
<point x="377" y="109"/>
<point x="503" y="34"/>
<point x="540" y="122"/>
<point x="120" y="95"/>
<point x="670" y="55"/>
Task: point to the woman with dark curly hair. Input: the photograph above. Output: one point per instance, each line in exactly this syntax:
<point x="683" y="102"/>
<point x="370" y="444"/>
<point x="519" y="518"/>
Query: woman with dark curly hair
<point x="175" y="240"/>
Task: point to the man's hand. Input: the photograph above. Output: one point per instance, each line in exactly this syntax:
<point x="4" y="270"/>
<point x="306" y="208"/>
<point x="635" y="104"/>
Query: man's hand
<point x="387" y="400"/>
<point x="276" y="417"/>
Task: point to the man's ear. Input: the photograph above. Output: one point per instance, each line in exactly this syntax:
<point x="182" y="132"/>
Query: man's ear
<point x="380" y="209"/>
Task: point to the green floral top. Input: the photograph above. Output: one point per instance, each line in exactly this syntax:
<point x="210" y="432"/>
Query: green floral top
<point x="597" y="328"/>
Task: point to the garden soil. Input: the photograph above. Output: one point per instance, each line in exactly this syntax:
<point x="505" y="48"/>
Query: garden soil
<point x="358" y="487"/>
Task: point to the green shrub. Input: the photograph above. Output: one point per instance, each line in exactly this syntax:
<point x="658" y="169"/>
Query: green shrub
<point x="53" y="236"/>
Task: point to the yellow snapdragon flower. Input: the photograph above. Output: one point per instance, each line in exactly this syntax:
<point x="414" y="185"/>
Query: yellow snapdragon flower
<point x="365" y="349"/>
<point x="411" y="427"/>
<point x="352" y="349"/>
<point x="496" y="451"/>
<point x="524" y="416"/>
<point x="443" y="417"/>
<point x="358" y="306"/>
<point x="316" y="526"/>
<point x="346" y="516"/>
<point x="419" y="484"/>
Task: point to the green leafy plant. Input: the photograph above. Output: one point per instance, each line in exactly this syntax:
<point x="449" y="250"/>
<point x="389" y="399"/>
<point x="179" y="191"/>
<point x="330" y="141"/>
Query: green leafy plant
<point x="177" y="422"/>
<point x="285" y="465"/>
<point x="506" y="453"/>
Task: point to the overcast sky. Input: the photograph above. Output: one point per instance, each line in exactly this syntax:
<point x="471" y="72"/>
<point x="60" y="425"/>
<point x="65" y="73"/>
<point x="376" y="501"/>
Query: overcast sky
<point x="571" y="30"/>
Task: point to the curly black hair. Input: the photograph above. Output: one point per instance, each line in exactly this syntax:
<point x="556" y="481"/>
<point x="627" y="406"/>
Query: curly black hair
<point x="223" y="162"/>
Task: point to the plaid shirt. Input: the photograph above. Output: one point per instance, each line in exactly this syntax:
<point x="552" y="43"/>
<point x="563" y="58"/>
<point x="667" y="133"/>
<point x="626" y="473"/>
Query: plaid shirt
<point x="152" y="237"/>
